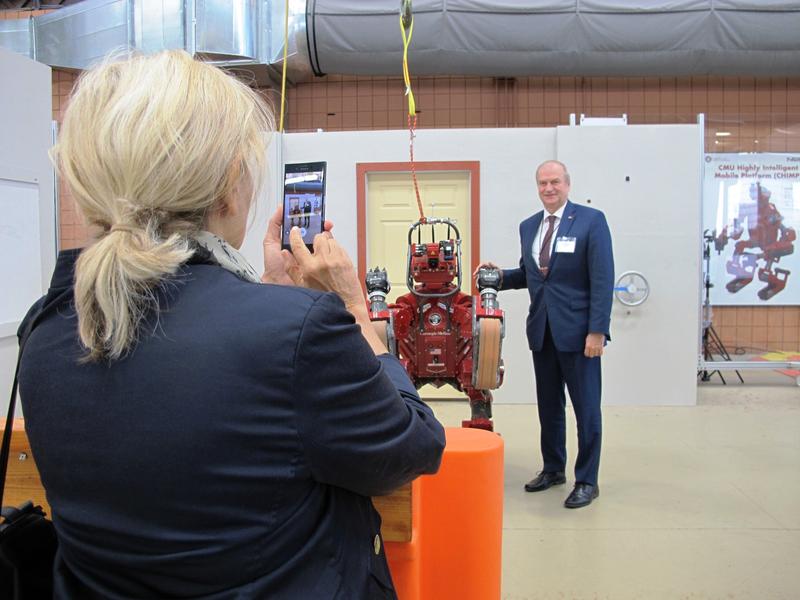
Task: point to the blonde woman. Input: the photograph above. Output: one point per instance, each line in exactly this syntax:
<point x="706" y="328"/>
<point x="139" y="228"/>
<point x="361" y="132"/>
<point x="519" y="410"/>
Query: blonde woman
<point x="202" y="434"/>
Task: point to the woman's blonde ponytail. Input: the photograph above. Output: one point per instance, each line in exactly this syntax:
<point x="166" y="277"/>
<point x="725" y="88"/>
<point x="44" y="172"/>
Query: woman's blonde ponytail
<point x="114" y="282"/>
<point x="148" y="146"/>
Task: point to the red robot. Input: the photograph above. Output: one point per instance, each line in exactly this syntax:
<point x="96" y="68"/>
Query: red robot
<point x="440" y="334"/>
<point x="765" y="231"/>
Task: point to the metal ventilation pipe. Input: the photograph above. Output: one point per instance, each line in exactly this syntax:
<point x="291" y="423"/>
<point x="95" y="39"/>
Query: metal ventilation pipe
<point x="76" y="36"/>
<point x="558" y="37"/>
<point x="504" y="38"/>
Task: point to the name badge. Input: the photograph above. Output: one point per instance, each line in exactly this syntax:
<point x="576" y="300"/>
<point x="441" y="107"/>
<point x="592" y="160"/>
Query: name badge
<point x="565" y="244"/>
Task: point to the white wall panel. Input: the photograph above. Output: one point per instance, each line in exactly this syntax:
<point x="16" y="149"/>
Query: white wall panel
<point x="654" y="219"/>
<point x="646" y="179"/>
<point x="27" y="232"/>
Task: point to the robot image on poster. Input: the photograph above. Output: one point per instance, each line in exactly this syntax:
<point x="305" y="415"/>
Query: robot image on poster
<point x="768" y="241"/>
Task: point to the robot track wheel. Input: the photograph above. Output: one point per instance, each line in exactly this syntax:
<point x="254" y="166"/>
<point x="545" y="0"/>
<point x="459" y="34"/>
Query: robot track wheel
<point x="488" y="359"/>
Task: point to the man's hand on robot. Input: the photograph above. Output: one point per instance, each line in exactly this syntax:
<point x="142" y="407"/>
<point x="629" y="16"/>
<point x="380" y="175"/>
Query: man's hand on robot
<point x="483" y="281"/>
<point x="486" y="265"/>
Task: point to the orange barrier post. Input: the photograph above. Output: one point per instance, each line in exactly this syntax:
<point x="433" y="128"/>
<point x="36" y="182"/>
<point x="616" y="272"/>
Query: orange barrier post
<point x="457" y="524"/>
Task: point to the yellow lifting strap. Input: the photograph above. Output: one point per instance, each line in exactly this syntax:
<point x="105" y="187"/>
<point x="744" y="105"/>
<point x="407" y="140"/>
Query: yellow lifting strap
<point x="407" y="30"/>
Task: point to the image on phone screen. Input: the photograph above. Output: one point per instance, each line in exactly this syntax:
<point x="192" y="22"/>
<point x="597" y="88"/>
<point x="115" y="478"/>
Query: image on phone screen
<point x="303" y="200"/>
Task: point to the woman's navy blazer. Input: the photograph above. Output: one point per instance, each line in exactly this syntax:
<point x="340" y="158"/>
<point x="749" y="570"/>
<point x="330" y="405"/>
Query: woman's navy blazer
<point x="230" y="454"/>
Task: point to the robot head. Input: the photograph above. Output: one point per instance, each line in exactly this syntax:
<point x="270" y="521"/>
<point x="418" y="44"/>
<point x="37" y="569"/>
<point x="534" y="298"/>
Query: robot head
<point x="434" y="268"/>
<point x="434" y="265"/>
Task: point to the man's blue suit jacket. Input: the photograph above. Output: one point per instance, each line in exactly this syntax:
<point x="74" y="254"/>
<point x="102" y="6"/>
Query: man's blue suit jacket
<point x="575" y="297"/>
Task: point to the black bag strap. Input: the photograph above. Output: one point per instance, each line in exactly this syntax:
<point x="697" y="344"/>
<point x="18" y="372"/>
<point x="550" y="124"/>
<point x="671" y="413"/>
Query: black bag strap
<point x="6" y="445"/>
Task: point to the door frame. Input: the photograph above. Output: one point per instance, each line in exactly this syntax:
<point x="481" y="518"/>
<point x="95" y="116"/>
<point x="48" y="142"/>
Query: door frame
<point x="474" y="169"/>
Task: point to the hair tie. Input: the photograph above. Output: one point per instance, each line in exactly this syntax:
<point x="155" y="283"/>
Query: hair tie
<point x="122" y="227"/>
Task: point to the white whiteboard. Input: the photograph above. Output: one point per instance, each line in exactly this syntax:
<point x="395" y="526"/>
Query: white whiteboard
<point x="20" y="251"/>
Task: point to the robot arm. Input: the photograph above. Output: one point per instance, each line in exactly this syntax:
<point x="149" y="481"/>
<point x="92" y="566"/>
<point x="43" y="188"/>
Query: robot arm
<point x="489" y="281"/>
<point x="722" y="239"/>
<point x="738" y="229"/>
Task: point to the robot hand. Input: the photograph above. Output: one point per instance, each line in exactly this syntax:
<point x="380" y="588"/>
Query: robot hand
<point x="486" y="266"/>
<point x="378" y="286"/>
<point x="489" y="280"/>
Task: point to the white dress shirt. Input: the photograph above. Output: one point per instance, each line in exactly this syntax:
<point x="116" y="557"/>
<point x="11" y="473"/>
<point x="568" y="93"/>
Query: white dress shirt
<point x="537" y="241"/>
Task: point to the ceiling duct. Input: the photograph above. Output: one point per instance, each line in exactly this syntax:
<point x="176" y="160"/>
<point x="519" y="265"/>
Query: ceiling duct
<point x="221" y="31"/>
<point x="82" y="34"/>
<point x="16" y="35"/>
<point x="508" y="38"/>
<point x="504" y="38"/>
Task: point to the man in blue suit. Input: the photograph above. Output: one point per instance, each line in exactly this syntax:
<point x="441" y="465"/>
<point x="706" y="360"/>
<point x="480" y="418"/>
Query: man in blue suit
<point x="568" y="267"/>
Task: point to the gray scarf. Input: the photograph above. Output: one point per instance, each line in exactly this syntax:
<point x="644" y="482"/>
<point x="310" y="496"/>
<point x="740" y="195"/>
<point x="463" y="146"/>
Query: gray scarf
<point x="226" y="256"/>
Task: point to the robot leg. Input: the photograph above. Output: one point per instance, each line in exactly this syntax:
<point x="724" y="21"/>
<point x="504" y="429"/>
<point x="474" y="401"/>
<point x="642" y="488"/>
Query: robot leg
<point x="480" y="403"/>
<point x="743" y="268"/>
<point x="775" y="280"/>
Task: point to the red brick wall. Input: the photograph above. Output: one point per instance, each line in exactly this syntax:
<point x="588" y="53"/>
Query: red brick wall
<point x="758" y="112"/>
<point x="72" y="229"/>
<point x="758" y="328"/>
<point x="21" y="14"/>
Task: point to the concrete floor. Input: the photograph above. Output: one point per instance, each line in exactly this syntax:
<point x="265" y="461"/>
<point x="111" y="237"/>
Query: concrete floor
<point x="696" y="502"/>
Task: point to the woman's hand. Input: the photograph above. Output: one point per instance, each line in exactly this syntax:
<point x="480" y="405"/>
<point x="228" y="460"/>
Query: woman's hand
<point x="328" y="269"/>
<point x="274" y="267"/>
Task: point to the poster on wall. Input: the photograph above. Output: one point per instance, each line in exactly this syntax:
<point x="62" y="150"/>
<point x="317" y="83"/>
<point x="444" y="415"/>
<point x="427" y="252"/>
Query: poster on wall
<point x="751" y="218"/>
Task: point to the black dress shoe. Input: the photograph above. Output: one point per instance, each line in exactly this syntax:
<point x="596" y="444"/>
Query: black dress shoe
<point x="544" y="480"/>
<point x="582" y="495"/>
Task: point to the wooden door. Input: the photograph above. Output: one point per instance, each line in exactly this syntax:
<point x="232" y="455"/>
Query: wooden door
<point x="392" y="208"/>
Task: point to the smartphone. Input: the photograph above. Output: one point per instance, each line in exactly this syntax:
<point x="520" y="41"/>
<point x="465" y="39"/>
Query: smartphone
<point x="303" y="201"/>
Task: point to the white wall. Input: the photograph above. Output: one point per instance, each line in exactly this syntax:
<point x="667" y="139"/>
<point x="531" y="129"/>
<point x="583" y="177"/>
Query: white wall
<point x="27" y="233"/>
<point x="508" y="158"/>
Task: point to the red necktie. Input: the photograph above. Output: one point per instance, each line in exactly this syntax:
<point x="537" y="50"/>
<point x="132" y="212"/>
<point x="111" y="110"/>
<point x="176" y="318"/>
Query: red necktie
<point x="544" y="255"/>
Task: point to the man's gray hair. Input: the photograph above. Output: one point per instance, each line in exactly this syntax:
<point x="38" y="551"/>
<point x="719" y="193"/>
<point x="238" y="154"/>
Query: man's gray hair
<point x="553" y="162"/>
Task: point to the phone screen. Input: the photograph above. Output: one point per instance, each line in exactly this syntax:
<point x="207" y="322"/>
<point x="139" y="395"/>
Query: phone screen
<point x="303" y="200"/>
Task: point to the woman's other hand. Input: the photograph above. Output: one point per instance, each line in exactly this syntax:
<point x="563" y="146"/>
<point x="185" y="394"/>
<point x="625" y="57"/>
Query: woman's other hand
<point x="330" y="269"/>
<point x="274" y="265"/>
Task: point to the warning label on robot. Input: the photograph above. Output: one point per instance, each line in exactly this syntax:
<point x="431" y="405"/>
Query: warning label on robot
<point x="751" y="216"/>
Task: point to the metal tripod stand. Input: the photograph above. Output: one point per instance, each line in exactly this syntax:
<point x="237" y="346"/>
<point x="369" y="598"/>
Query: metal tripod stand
<point x="712" y="343"/>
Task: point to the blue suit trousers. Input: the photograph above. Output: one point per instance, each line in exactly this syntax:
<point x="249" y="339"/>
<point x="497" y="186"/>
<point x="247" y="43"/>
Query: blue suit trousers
<point x="582" y="377"/>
